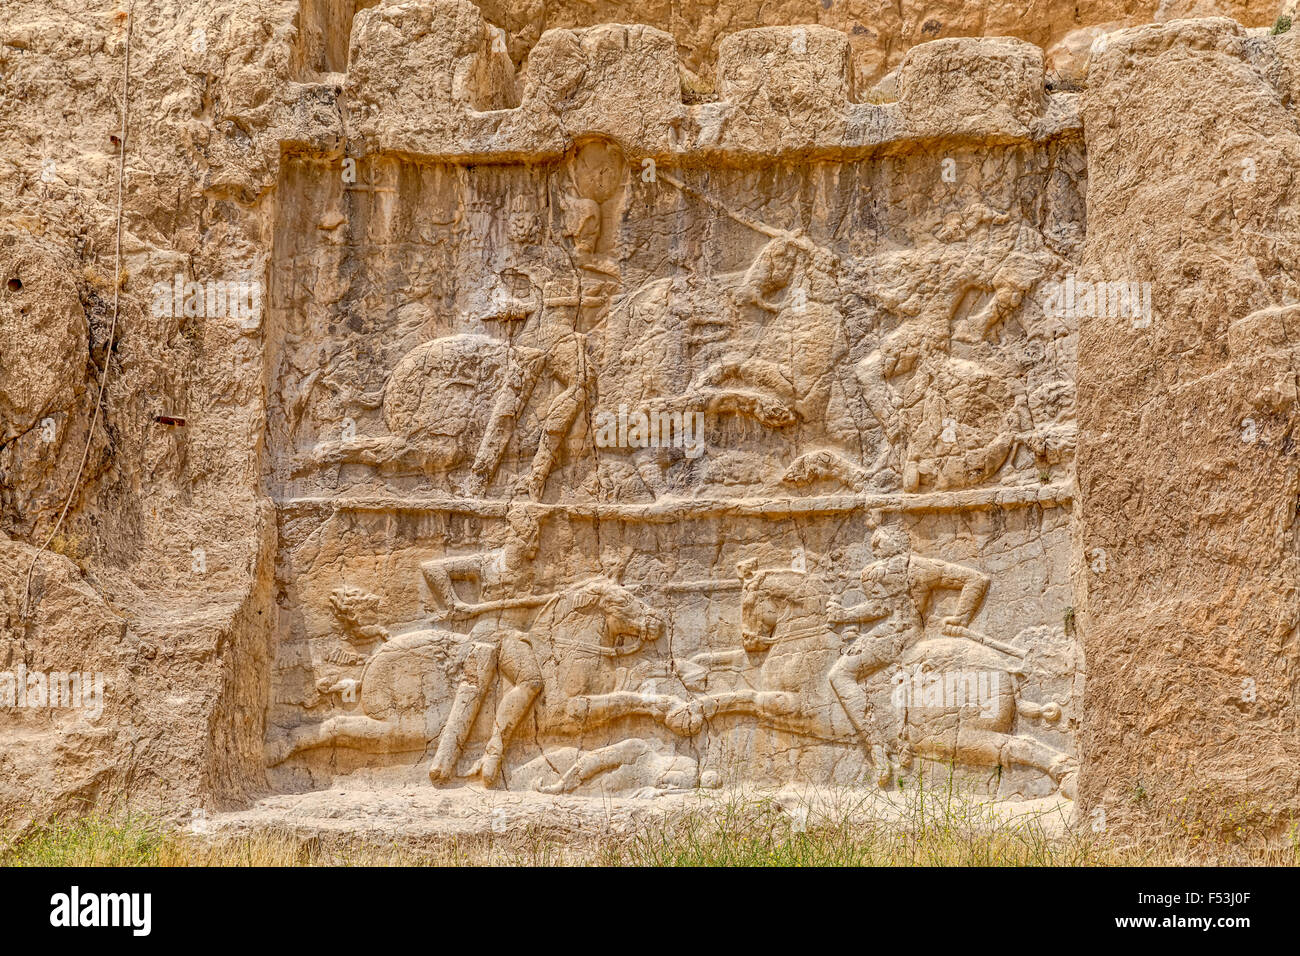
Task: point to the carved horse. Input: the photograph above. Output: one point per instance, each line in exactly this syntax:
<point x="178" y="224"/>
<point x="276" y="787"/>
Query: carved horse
<point x="411" y="686"/>
<point x="784" y="618"/>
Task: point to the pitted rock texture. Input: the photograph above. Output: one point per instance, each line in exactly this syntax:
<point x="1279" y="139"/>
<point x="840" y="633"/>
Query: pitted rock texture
<point x="1189" y="475"/>
<point x="507" y="398"/>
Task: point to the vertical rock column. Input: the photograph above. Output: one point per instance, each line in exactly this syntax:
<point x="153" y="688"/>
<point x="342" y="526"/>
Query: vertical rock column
<point x="1186" y="538"/>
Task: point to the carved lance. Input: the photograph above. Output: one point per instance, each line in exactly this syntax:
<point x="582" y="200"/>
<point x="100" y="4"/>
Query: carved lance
<point x="538" y="600"/>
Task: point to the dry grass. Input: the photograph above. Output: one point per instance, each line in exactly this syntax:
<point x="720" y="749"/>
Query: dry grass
<point x="941" y="828"/>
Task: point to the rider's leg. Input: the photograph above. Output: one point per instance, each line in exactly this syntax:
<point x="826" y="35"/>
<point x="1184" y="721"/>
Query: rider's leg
<point x="476" y="677"/>
<point x="867" y="656"/>
<point x="559" y="421"/>
<point x="845" y="683"/>
<point x="519" y="665"/>
<point x="510" y="401"/>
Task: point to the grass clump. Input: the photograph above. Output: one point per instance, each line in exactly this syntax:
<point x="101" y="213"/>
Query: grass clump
<point x="87" y="841"/>
<point x="847" y="827"/>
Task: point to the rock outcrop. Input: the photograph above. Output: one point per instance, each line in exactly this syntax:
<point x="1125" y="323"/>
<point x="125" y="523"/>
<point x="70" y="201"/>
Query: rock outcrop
<point x="496" y="396"/>
<point x="1186" y="541"/>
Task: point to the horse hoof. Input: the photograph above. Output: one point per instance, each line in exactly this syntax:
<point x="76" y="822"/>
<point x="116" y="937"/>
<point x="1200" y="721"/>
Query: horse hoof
<point x="488" y="767"/>
<point x="1069" y="785"/>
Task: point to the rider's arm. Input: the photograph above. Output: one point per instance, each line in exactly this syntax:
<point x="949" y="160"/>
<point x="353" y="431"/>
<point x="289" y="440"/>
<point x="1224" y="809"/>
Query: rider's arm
<point x="973" y="584"/>
<point x="868" y="610"/>
<point x="441" y="573"/>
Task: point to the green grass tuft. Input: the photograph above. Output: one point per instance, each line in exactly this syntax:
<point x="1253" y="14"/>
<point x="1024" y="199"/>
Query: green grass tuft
<point x="918" y="826"/>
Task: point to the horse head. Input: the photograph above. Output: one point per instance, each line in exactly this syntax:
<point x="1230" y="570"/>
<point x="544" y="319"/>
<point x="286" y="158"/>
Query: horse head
<point x="774" y="601"/>
<point x="628" y="622"/>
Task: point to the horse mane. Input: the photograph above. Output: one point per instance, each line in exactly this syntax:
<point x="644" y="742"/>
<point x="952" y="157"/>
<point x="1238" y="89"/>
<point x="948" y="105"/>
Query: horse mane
<point x="801" y="586"/>
<point x="581" y="597"/>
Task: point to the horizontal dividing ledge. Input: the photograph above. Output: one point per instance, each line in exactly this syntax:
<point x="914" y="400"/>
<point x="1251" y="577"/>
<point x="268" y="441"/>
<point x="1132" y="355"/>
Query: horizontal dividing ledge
<point x="868" y="132"/>
<point x="661" y="512"/>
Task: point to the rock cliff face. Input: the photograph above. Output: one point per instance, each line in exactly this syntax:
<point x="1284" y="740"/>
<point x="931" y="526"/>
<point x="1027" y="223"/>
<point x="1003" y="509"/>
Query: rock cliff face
<point x="425" y="394"/>
<point x="1189" y="476"/>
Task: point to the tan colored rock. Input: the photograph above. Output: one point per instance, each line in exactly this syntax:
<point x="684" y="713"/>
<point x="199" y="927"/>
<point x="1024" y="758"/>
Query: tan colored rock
<point x="45" y="334"/>
<point x="68" y="725"/>
<point x="1188" y="473"/>
<point x="800" y="73"/>
<point x="374" y="503"/>
<point x="880" y="31"/>
<point x="1067" y="61"/>
<point x="995" y="84"/>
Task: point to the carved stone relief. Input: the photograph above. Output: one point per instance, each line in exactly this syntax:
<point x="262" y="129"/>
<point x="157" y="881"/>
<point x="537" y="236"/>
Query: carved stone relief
<point x="604" y="474"/>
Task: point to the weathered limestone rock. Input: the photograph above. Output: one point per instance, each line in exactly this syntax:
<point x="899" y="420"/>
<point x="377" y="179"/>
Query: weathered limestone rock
<point x="521" y="398"/>
<point x="995" y="85"/>
<point x="1187" y="541"/>
<point x="1067" y="61"/>
<point x="880" y="31"/>
<point x="158" y="579"/>
<point x="803" y="74"/>
<point x="43" y="397"/>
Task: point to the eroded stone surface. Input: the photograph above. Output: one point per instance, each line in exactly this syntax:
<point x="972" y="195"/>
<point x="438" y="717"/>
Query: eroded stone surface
<point x="1193" y="605"/>
<point x="866" y="468"/>
<point x="390" y="523"/>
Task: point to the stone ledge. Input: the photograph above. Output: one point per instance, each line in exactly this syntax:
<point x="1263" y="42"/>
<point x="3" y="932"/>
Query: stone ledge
<point x="1056" y="495"/>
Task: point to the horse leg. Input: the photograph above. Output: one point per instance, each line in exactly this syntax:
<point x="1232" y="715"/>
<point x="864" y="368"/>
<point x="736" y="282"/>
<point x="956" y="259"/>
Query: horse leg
<point x="765" y="409"/>
<point x="754" y="703"/>
<point x="591" y="710"/>
<point x="375" y="452"/>
<point x="599" y="761"/>
<point x="992" y="748"/>
<point x="769" y="376"/>
<point x="696" y="671"/>
<point x="1028" y="752"/>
